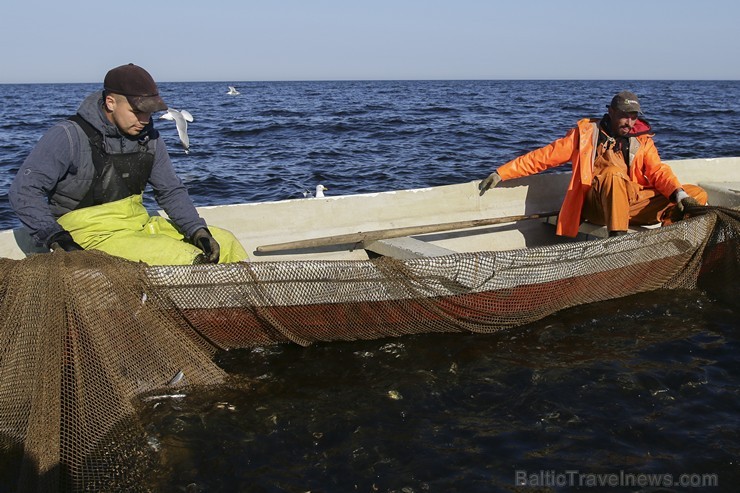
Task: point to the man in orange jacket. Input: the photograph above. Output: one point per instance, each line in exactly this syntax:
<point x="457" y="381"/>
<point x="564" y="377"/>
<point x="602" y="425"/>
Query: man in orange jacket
<point x="618" y="178"/>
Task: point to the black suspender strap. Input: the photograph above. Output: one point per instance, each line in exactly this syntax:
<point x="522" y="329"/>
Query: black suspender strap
<point x="98" y="157"/>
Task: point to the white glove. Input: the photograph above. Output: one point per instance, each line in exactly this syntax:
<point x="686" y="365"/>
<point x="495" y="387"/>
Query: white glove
<point x="489" y="182"/>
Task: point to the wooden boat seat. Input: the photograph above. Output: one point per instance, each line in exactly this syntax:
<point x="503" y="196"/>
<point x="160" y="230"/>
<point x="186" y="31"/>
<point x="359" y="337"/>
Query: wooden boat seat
<point x="599" y="231"/>
<point x="725" y="194"/>
<point x="406" y="247"/>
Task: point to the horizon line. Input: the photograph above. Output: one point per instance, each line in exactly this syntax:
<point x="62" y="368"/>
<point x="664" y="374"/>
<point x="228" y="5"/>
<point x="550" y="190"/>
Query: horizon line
<point x="523" y="79"/>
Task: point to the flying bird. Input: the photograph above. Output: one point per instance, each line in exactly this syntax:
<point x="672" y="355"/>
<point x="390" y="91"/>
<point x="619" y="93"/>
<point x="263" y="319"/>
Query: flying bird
<point x="232" y="91"/>
<point x="181" y="119"/>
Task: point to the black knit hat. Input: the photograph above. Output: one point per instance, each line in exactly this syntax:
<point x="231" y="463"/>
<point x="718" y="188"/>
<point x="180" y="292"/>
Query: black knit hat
<point x="137" y="85"/>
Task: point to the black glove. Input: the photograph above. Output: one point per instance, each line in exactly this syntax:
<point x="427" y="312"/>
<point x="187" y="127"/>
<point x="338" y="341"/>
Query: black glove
<point x="63" y="240"/>
<point x="203" y="240"/>
<point x="489" y="182"/>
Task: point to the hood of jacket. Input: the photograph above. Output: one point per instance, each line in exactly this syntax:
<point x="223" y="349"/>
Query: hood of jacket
<point x="641" y="127"/>
<point x="115" y="141"/>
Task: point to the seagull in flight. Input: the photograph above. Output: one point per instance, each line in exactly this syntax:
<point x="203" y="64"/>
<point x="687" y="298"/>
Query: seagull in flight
<point x="232" y="91"/>
<point x="181" y="118"/>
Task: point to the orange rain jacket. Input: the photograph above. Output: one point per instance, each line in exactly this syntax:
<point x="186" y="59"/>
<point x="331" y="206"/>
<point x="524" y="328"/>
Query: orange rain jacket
<point x="579" y="148"/>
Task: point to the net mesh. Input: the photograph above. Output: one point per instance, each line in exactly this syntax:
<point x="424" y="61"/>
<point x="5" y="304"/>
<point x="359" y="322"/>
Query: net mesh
<point x="85" y="337"/>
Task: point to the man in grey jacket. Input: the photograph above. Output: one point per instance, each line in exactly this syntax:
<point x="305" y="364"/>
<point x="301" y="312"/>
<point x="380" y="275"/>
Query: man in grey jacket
<point x="81" y="186"/>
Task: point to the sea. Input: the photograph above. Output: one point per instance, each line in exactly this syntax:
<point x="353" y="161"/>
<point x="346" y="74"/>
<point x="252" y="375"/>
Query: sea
<point x="635" y="394"/>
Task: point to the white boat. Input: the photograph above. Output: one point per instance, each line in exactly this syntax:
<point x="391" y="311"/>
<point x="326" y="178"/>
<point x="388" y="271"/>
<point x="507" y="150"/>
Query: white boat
<point x="495" y="257"/>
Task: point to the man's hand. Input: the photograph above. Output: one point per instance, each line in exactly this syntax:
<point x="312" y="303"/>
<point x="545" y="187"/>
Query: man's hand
<point x="203" y="240"/>
<point x="687" y="203"/>
<point x="489" y="182"/>
<point x="63" y="240"/>
<point x="684" y="204"/>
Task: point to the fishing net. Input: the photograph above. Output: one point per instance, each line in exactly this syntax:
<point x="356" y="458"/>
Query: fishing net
<point x="86" y="337"/>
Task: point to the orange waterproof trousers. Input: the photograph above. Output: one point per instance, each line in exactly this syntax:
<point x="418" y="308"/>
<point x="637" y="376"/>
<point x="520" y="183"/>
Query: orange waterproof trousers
<point x="616" y="201"/>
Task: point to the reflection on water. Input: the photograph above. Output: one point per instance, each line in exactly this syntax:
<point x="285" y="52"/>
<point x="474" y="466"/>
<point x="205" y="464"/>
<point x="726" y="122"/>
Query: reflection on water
<point x="646" y="384"/>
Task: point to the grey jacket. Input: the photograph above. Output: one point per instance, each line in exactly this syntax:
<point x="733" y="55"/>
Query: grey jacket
<point x="58" y="172"/>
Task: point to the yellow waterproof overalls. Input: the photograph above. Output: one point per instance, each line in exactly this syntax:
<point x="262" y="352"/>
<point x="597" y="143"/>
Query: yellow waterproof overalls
<point x="112" y="217"/>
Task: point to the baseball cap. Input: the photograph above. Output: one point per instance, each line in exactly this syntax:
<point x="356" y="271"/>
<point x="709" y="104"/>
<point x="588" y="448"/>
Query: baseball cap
<point x="626" y="101"/>
<point x="137" y="85"/>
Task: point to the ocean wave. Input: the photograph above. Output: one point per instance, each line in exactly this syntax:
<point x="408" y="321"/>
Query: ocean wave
<point x="419" y="130"/>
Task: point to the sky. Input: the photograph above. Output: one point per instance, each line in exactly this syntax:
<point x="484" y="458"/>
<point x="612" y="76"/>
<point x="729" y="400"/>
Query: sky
<point x="270" y="40"/>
